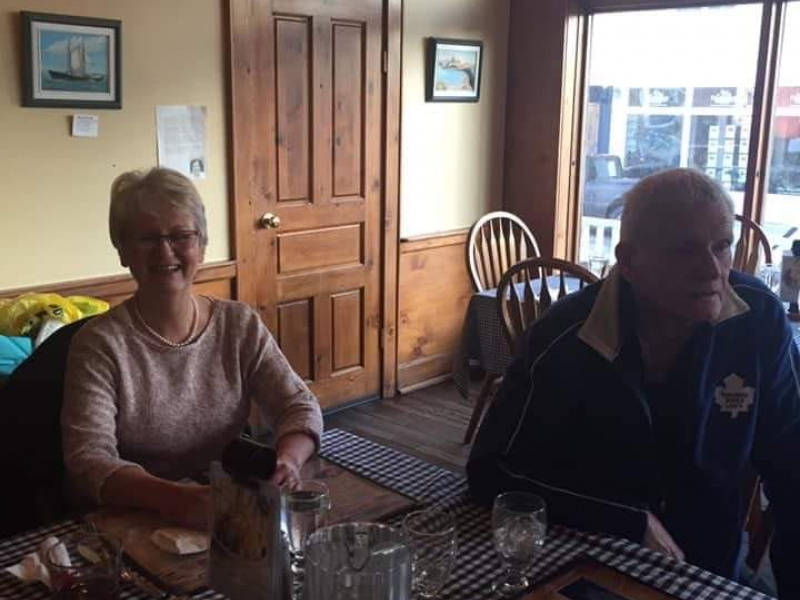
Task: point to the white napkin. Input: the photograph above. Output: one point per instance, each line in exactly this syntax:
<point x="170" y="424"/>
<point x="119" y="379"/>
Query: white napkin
<point x="32" y="567"/>
<point x="177" y="540"/>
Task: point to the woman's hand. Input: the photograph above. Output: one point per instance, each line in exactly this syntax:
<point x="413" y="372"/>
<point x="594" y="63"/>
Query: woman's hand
<point x="188" y="505"/>
<point x="184" y="504"/>
<point x="293" y="449"/>
<point x="656" y="537"/>
<point x="287" y="473"/>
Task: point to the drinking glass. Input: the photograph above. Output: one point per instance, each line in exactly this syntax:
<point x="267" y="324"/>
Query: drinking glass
<point x="84" y="565"/>
<point x="305" y="509"/>
<point x="519" y="524"/>
<point x="431" y="536"/>
<point x="771" y="276"/>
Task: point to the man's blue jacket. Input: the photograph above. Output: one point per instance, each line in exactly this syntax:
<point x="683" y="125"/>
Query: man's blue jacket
<point x="574" y="422"/>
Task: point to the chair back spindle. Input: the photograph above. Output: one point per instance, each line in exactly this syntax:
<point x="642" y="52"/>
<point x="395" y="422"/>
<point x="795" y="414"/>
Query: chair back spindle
<point x="752" y="243"/>
<point x="518" y="302"/>
<point x="497" y="241"/>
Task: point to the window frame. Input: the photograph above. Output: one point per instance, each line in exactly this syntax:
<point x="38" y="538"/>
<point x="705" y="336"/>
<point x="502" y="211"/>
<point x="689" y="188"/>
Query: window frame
<point x="773" y="17"/>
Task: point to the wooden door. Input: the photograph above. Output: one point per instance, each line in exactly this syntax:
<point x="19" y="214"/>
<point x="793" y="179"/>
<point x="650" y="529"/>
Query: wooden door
<point x="307" y="85"/>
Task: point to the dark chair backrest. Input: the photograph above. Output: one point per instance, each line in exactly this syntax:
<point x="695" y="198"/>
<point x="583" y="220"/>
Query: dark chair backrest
<point x="519" y="303"/>
<point x="31" y="459"/>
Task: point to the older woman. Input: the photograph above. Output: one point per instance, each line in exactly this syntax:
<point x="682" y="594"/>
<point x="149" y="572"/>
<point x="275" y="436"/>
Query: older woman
<point x="158" y="386"/>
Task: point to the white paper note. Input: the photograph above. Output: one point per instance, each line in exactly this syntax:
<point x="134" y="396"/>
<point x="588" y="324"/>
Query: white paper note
<point x="85" y="125"/>
<point x="182" y="139"/>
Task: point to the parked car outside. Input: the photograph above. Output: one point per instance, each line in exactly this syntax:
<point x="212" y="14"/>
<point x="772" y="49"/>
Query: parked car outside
<point x="606" y="183"/>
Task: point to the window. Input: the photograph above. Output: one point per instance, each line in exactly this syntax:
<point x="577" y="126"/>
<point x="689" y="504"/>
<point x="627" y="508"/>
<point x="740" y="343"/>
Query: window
<point x="666" y="88"/>
<point x="781" y="215"/>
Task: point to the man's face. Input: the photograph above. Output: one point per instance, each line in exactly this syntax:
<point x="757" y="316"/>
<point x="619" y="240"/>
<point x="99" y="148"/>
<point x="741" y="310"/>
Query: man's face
<point x="683" y="270"/>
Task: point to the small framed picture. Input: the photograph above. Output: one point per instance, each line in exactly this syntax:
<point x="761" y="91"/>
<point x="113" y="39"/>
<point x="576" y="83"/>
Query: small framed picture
<point x="454" y="70"/>
<point x="71" y="62"/>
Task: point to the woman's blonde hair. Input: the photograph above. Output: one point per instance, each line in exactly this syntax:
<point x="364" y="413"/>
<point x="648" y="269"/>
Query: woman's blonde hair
<point x="136" y="191"/>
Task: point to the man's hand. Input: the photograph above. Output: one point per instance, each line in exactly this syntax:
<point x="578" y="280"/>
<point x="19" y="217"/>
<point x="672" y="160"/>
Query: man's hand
<point x="656" y="537"/>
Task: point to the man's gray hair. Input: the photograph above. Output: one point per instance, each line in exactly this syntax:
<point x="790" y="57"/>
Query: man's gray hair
<point x="137" y="191"/>
<point x="650" y="204"/>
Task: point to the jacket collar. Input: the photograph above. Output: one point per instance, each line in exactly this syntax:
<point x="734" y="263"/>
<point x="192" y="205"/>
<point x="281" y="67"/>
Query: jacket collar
<point x="608" y="323"/>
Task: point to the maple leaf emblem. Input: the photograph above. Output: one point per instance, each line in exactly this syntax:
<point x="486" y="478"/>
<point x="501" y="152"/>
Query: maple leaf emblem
<point x="734" y="397"/>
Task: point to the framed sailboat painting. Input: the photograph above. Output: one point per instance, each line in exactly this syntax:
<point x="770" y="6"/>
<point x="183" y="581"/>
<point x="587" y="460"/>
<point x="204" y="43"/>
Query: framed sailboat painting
<point x="71" y="62"/>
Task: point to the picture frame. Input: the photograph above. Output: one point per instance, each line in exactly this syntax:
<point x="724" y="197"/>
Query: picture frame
<point x="71" y="62"/>
<point x="454" y="70"/>
<point x="586" y="578"/>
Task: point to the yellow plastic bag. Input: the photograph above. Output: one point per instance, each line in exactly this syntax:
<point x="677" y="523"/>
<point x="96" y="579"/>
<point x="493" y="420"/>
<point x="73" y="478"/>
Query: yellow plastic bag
<point x="88" y="306"/>
<point x="25" y="314"/>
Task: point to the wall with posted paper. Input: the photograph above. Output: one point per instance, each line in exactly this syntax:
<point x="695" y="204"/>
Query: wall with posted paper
<point x="54" y="185"/>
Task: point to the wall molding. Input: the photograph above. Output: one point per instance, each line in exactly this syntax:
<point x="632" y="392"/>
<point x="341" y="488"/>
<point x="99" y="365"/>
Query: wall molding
<point x="434" y="240"/>
<point x="115" y="288"/>
<point x="424" y="372"/>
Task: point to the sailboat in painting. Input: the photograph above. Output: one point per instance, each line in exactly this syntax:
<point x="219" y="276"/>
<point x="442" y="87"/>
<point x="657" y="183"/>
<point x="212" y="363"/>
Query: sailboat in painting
<point x="77" y="63"/>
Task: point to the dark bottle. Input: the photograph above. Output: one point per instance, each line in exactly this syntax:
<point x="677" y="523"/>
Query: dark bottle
<point x="246" y="458"/>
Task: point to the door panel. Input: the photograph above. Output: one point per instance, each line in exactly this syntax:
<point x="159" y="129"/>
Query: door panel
<point x="315" y="249"/>
<point x="312" y="97"/>
<point x="348" y="317"/>
<point x="293" y="107"/>
<point x="348" y="49"/>
<point x="294" y="335"/>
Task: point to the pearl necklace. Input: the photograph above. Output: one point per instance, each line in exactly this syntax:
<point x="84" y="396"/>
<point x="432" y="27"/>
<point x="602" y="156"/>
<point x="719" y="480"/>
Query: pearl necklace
<point x="192" y="332"/>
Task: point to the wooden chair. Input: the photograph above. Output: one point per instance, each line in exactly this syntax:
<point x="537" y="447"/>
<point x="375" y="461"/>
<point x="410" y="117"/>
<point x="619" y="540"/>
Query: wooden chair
<point x="751" y="244"/>
<point x="518" y="302"/>
<point x="759" y="525"/>
<point x="519" y="305"/>
<point x="497" y="241"/>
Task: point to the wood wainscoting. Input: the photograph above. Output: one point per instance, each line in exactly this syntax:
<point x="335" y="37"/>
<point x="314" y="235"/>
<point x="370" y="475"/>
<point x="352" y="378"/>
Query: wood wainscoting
<point x="213" y="279"/>
<point x="434" y="292"/>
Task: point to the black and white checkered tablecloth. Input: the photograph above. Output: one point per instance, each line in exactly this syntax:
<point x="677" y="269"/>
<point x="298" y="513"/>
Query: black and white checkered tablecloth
<point x="477" y="564"/>
<point x="482" y="339"/>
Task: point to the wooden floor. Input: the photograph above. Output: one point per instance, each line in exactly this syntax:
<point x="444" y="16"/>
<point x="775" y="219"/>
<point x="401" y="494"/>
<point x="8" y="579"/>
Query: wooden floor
<point x="429" y="423"/>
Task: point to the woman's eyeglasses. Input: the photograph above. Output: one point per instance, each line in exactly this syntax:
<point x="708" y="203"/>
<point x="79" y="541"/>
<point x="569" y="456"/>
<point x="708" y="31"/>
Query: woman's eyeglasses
<point x="180" y="240"/>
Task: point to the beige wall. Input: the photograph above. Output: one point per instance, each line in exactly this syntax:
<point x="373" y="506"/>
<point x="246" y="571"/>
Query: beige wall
<point x="452" y="154"/>
<point x="53" y="187"/>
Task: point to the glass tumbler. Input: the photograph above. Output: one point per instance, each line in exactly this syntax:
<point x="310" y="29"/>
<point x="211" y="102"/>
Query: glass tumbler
<point x="431" y="536"/>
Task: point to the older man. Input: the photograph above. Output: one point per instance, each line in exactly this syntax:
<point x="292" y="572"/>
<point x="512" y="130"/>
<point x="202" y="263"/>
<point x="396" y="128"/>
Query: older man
<point x="637" y="405"/>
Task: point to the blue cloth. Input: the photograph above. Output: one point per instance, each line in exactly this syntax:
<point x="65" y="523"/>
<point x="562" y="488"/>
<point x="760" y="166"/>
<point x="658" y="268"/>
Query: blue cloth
<point x="573" y="422"/>
<point x="13" y="350"/>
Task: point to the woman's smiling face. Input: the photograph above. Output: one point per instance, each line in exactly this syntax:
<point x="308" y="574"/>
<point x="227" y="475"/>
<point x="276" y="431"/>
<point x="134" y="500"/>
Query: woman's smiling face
<point x="163" y="250"/>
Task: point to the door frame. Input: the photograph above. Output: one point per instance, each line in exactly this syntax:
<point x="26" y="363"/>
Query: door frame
<point x="247" y="42"/>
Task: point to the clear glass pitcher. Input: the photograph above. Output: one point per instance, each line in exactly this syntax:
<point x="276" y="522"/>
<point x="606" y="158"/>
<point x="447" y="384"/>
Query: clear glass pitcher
<point x="357" y="561"/>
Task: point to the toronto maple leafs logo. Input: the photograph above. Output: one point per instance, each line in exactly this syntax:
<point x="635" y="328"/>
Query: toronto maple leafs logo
<point x="734" y="397"/>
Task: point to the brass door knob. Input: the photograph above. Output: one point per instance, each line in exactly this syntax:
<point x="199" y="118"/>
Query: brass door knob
<point x="269" y="221"/>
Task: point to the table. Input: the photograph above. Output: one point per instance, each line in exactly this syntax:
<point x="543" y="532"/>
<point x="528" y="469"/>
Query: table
<point x="477" y="564"/>
<point x="353" y="498"/>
